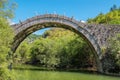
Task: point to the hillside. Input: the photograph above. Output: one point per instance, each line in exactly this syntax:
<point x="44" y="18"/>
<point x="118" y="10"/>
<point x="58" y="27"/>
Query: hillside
<point x="112" y="17"/>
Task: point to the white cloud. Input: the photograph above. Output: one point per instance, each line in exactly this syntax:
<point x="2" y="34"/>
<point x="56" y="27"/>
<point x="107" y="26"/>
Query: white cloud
<point x="82" y="21"/>
<point x="10" y="22"/>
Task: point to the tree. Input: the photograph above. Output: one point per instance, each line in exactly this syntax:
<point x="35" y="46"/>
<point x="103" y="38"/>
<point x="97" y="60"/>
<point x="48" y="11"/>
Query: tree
<point x="6" y="36"/>
<point x="43" y="52"/>
<point x="22" y="53"/>
<point x="114" y="46"/>
<point x="111" y="59"/>
<point x="60" y="48"/>
<point x="113" y="8"/>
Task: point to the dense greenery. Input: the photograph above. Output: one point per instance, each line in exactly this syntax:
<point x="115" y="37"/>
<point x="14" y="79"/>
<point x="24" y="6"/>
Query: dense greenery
<point x="23" y="52"/>
<point x="6" y="37"/>
<point x="111" y="58"/>
<point x="112" y="17"/>
<point x="57" y="48"/>
<point x="115" y="47"/>
<point x="5" y="41"/>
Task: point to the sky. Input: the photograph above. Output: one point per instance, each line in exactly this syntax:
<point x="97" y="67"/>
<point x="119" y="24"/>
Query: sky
<point x="79" y="9"/>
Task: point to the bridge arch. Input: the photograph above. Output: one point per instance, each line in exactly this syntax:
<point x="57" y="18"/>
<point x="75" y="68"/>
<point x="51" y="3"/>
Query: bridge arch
<point x="23" y="29"/>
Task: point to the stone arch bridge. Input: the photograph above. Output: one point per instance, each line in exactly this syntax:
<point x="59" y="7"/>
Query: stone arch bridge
<point x="95" y="35"/>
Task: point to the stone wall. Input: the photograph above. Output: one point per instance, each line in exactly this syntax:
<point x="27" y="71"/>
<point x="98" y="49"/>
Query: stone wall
<point x="103" y="32"/>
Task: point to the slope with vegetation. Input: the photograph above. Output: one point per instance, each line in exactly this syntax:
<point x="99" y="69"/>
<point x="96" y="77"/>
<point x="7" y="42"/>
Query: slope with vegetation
<point x="112" y="17"/>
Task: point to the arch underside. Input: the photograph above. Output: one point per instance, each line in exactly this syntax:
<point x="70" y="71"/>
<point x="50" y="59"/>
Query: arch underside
<point x="24" y="30"/>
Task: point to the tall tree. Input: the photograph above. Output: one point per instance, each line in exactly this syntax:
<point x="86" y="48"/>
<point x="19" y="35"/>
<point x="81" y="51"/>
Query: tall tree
<point x="6" y="36"/>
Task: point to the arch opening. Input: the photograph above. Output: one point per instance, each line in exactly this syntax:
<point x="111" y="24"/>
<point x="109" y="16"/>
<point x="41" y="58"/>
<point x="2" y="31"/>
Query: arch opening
<point x="31" y="25"/>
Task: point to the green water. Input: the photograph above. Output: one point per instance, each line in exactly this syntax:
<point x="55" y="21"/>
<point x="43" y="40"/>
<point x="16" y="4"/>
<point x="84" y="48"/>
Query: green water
<point x="56" y="75"/>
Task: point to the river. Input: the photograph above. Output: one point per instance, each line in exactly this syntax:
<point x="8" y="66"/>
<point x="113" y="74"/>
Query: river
<point x="59" y="75"/>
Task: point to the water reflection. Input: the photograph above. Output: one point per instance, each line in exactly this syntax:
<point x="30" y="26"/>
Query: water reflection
<point x="35" y="74"/>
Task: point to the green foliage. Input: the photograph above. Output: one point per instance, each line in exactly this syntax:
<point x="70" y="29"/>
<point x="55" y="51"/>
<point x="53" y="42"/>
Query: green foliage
<point x="22" y="53"/>
<point x="112" y="17"/>
<point x="44" y="51"/>
<point x="6" y="36"/>
<point x="5" y="41"/>
<point x="114" y="45"/>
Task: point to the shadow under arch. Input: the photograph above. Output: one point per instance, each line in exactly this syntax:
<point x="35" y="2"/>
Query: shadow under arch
<point x="33" y="24"/>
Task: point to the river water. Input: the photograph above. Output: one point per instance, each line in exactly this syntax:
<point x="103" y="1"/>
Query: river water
<point x="57" y="75"/>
